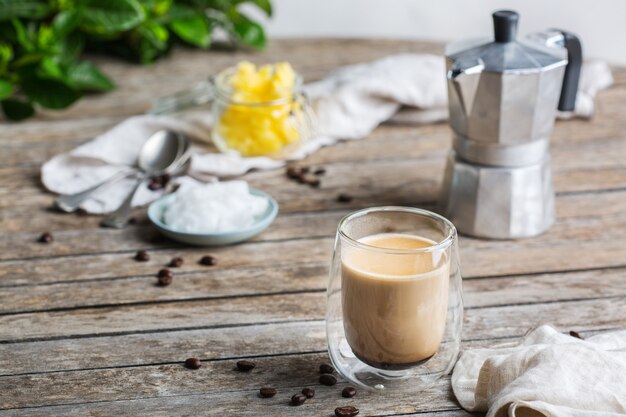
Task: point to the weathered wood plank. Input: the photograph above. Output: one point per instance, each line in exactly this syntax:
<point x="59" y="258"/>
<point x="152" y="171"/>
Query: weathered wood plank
<point x="167" y="347"/>
<point x="549" y="252"/>
<point x="235" y="282"/>
<point x="276" y="309"/>
<point x="138" y="85"/>
<point x="248" y="403"/>
<point x="16" y="221"/>
<point x="219" y="405"/>
<point x="288" y="373"/>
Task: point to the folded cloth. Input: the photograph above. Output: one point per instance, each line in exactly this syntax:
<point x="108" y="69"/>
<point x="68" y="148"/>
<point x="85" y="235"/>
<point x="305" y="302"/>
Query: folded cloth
<point x="547" y="374"/>
<point x="350" y="102"/>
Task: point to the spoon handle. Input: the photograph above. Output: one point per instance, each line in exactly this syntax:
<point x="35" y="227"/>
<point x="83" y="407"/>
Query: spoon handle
<point x="119" y="218"/>
<point x="72" y="202"/>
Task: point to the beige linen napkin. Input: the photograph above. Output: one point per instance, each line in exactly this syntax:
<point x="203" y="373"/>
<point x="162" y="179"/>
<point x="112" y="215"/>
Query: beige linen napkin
<point x="350" y="102"/>
<point x="547" y="374"/>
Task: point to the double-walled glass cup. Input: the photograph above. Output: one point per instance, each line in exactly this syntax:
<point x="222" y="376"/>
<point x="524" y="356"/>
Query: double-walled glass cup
<point x="394" y="303"/>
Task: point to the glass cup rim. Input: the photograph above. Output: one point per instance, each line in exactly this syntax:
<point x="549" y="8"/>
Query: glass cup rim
<point x="223" y="91"/>
<point x="442" y="244"/>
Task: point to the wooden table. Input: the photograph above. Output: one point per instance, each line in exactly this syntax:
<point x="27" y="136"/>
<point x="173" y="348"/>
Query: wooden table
<point x="85" y="331"/>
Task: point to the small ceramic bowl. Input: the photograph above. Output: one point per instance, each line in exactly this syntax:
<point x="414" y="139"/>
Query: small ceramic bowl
<point x="157" y="208"/>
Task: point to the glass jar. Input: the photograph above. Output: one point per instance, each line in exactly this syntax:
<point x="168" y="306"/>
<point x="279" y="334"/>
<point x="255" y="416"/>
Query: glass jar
<point x="243" y="123"/>
<point x="394" y="302"/>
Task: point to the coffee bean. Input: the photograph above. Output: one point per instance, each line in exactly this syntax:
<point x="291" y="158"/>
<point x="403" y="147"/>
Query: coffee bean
<point x="308" y="392"/>
<point x="154" y="185"/>
<point x="165" y="179"/>
<point x="165" y="277"/>
<point x="164" y="281"/>
<point x="293" y="173"/>
<point x="298" y="399"/>
<point x="576" y="335"/>
<point x="328" y="379"/>
<point x="142" y="256"/>
<point x="319" y="171"/>
<point x="348" y="392"/>
<point x="159" y="181"/>
<point x="326" y="369"/>
<point x="245" y="366"/>
<point x="176" y="262"/>
<point x="193" y="363"/>
<point x="347" y="411"/>
<point x="344" y="198"/>
<point x="46" y="238"/>
<point x="267" y="392"/>
<point x="164" y="273"/>
<point x="208" y="260"/>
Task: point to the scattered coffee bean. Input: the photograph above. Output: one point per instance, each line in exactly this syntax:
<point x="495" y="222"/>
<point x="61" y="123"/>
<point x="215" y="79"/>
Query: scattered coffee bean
<point x="347" y="411"/>
<point x="348" y="392"/>
<point x="142" y="256"/>
<point x="154" y="185"/>
<point x="164" y="281"/>
<point x="208" y="260"/>
<point x="267" y="392"/>
<point x="193" y="363"/>
<point x="245" y="366"/>
<point x="293" y="173"/>
<point x="344" y="198"/>
<point x="158" y="182"/>
<point x="298" y="399"/>
<point x="176" y="262"/>
<point x="132" y="220"/>
<point x="326" y="369"/>
<point x="576" y="334"/>
<point x="165" y="277"/>
<point x="308" y="392"/>
<point x="164" y="273"/>
<point x="328" y="379"/>
<point x="319" y="171"/>
<point x="46" y="238"/>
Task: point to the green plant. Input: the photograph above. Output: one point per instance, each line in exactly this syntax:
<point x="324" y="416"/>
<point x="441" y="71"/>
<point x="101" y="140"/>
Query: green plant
<point x="41" y="42"/>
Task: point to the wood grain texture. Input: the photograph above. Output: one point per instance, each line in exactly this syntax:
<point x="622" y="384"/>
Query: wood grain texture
<point x="84" y="330"/>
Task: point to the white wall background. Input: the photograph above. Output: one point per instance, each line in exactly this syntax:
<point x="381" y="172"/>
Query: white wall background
<point x="601" y="24"/>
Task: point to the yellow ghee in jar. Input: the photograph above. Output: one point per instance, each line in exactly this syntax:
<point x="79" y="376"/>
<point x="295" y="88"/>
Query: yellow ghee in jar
<point x="250" y="123"/>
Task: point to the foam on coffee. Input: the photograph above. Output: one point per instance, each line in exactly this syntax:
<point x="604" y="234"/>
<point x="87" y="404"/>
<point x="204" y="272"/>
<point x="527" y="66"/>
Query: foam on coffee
<point x="394" y="302"/>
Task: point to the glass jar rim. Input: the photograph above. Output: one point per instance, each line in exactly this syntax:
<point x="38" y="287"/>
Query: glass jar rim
<point x="442" y="244"/>
<point x="223" y="91"/>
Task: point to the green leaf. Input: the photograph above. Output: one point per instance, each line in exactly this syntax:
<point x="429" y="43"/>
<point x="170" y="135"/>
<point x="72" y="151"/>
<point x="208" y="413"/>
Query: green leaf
<point x="71" y="47"/>
<point x="31" y="9"/>
<point x="50" y="68"/>
<point x="17" y="109"/>
<point x="65" y="22"/>
<point x="107" y="16"/>
<point x="6" y="89"/>
<point x="193" y="29"/>
<point x="85" y="76"/>
<point x="248" y="31"/>
<point x="22" y="35"/>
<point x="52" y="94"/>
<point x="150" y="41"/>
<point x="6" y="54"/>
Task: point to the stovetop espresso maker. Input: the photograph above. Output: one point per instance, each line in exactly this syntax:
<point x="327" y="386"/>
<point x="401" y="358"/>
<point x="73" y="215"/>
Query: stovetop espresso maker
<point x="503" y="96"/>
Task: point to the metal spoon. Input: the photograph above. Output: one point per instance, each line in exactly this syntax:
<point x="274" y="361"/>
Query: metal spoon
<point x="163" y="153"/>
